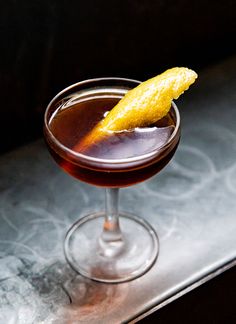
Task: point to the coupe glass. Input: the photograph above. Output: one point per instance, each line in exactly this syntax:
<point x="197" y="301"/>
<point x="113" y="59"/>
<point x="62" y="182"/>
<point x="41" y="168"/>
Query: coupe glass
<point x="108" y="246"/>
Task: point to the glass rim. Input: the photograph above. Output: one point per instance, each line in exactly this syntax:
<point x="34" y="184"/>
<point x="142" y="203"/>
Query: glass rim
<point x="100" y="160"/>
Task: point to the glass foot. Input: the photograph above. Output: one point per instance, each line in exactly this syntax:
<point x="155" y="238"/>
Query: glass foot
<point x="126" y="258"/>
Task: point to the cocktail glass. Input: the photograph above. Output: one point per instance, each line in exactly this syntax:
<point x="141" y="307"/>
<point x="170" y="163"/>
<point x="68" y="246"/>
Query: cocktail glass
<point x="108" y="246"/>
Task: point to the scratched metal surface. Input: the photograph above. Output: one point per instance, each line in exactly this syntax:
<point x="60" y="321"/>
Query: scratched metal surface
<point x="191" y="204"/>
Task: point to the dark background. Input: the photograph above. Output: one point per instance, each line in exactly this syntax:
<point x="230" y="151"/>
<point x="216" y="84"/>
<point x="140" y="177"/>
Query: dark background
<point x="212" y="303"/>
<point x="47" y="45"/>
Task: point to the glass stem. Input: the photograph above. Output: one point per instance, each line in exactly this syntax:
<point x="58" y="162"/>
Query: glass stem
<point x="111" y="226"/>
<point x="111" y="240"/>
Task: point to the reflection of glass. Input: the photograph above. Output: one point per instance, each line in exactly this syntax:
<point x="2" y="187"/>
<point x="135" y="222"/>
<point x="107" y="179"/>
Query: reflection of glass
<point x="108" y="246"/>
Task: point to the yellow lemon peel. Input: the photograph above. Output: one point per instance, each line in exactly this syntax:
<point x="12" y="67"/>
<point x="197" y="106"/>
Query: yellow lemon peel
<point x="142" y="106"/>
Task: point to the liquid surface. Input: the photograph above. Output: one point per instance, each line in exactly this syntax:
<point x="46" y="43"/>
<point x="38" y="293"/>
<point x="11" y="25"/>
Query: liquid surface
<point x="70" y="124"/>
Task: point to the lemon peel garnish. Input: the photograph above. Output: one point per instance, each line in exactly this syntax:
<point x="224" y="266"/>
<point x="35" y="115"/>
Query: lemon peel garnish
<point x="142" y="106"/>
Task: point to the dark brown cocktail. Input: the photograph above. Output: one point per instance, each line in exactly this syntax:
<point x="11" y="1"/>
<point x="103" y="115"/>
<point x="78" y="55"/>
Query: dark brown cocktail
<point x="71" y="123"/>
<point x="127" y="246"/>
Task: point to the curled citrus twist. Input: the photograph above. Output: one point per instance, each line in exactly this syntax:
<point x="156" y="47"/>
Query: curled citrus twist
<point x="142" y="106"/>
